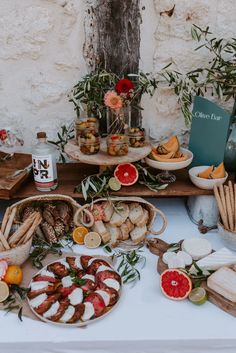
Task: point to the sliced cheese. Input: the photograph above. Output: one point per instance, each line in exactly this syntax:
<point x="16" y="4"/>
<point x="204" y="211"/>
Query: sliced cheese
<point x="38" y="300"/>
<point x="105" y="296"/>
<point x="91" y="261"/>
<point x="197" y="248"/>
<point x="104" y="268"/>
<point x="176" y="262"/>
<point x="223" y="282"/>
<point x="47" y="273"/>
<point x="186" y="257"/>
<point x="37" y="285"/>
<point x="167" y="256"/>
<point x="76" y="297"/>
<point x="78" y="263"/>
<point x="220" y="258"/>
<point x="66" y="281"/>
<point x="68" y="314"/>
<point x="52" y="311"/>
<point x="65" y="263"/>
<point x="88" y="311"/>
<point x="112" y="283"/>
<point x="91" y="277"/>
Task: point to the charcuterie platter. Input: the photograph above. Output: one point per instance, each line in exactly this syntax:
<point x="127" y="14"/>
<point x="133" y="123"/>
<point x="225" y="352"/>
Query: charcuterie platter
<point x="213" y="281"/>
<point x="74" y="291"/>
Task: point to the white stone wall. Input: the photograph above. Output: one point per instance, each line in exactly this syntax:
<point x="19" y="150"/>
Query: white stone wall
<point x="41" y="58"/>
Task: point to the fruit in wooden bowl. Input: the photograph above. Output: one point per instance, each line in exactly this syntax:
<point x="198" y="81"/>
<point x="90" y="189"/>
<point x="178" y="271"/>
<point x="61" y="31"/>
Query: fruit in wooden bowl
<point x="205" y="177"/>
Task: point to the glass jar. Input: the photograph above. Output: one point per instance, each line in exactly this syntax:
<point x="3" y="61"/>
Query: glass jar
<point x="82" y="125"/>
<point x="117" y="145"/>
<point x="118" y="120"/>
<point x="89" y="141"/>
<point x="136" y="137"/>
<point x="230" y="151"/>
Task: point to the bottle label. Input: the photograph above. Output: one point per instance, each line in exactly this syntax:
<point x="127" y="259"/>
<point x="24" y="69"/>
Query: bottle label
<point x="44" y="173"/>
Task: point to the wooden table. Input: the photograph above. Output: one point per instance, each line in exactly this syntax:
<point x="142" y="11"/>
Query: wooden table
<point x="71" y="174"/>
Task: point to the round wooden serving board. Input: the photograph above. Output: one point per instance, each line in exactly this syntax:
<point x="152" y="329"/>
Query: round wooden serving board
<point x="159" y="247"/>
<point x="102" y="158"/>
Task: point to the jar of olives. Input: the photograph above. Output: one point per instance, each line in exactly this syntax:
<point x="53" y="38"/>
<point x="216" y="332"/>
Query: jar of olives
<point x="136" y="137"/>
<point x="81" y="125"/>
<point x="117" y="145"/>
<point x="89" y="141"/>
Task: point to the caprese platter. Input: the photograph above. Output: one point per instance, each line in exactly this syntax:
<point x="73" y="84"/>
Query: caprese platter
<point x="74" y="291"/>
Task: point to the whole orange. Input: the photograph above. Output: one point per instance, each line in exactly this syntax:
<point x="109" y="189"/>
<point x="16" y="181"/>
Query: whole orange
<point x="14" y="275"/>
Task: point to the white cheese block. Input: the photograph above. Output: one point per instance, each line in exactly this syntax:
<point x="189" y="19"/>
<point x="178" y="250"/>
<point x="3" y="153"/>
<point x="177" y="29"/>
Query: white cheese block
<point x="223" y="282"/>
<point x="37" y="285"/>
<point x="68" y="314"/>
<point x="66" y="281"/>
<point x="47" y="273"/>
<point x="105" y="296"/>
<point x="167" y="256"/>
<point x="52" y="311"/>
<point x="186" y="257"/>
<point x="65" y="263"/>
<point x="220" y="258"/>
<point x="176" y="262"/>
<point x="78" y="263"/>
<point x="76" y="297"/>
<point x="104" y="268"/>
<point x="197" y="248"/>
<point x="112" y="283"/>
<point x="87" y="276"/>
<point x="88" y="311"/>
<point x="38" y="300"/>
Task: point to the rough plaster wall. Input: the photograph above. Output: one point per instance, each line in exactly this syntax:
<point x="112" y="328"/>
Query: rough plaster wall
<point x="41" y="57"/>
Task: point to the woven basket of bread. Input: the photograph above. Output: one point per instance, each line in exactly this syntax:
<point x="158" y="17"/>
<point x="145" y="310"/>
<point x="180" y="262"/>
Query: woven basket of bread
<point x="48" y="216"/>
<point x="122" y="219"/>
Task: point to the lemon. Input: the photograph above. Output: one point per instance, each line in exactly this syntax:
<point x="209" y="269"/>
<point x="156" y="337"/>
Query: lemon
<point x="4" y="291"/>
<point x="198" y="296"/>
<point x="114" y="184"/>
<point x="92" y="240"/>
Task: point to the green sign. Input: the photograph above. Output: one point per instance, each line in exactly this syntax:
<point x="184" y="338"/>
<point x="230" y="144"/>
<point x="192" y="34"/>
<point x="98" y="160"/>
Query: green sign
<point x="209" y="132"/>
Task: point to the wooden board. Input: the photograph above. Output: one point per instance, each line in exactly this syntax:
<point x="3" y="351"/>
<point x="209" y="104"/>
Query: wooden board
<point x="8" y="183"/>
<point x="102" y="158"/>
<point x="70" y="175"/>
<point x="158" y="247"/>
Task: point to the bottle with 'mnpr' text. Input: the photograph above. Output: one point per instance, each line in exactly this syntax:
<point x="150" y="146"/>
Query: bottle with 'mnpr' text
<point x="44" y="158"/>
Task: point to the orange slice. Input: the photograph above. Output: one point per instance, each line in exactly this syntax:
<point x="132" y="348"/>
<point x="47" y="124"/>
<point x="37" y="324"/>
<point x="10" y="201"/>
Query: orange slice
<point x="4" y="291"/>
<point x="206" y="172"/>
<point x="92" y="240"/>
<point x="79" y="234"/>
<point x="218" y="172"/>
<point x="14" y="275"/>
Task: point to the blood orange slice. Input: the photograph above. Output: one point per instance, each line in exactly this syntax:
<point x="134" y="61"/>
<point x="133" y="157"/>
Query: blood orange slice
<point x="175" y="284"/>
<point x="126" y="174"/>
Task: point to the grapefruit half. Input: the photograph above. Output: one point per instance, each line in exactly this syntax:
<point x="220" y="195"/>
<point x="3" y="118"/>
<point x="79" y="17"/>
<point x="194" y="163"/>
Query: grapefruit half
<point x="126" y="174"/>
<point x="175" y="284"/>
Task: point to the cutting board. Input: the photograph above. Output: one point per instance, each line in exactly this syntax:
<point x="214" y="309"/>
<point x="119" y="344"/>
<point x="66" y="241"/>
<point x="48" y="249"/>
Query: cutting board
<point x="8" y="182"/>
<point x="159" y="247"/>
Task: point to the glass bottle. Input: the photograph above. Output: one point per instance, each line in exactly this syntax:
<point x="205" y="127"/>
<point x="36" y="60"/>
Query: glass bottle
<point x="44" y="158"/>
<point x="230" y="151"/>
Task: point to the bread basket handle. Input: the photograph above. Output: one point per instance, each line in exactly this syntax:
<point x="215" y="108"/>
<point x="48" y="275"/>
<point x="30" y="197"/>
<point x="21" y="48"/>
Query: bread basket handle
<point x="164" y="225"/>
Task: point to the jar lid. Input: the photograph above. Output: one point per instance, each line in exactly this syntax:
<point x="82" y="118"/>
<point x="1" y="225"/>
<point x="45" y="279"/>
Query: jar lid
<point x="41" y="135"/>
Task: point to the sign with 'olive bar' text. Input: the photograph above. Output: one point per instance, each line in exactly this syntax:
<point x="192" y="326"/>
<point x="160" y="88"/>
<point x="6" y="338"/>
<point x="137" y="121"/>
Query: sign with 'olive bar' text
<point x="209" y="132"/>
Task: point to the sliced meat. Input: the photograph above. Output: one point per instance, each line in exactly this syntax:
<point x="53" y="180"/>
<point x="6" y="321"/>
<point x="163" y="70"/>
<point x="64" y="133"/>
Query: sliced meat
<point x="58" y="269"/>
<point x="47" y="290"/>
<point x="74" y="263"/>
<point x="79" y="310"/>
<point x="92" y="269"/>
<point x="45" y="278"/>
<point x="64" y="303"/>
<point x="89" y="286"/>
<point x="65" y="291"/>
<point x="84" y="261"/>
<point x="42" y="308"/>
<point x="114" y="295"/>
<point x="98" y="303"/>
<point x="101" y="276"/>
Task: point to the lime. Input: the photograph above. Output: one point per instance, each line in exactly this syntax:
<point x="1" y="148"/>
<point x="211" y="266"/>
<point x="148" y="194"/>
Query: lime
<point x="114" y="184"/>
<point x="198" y="296"/>
<point x="92" y="240"/>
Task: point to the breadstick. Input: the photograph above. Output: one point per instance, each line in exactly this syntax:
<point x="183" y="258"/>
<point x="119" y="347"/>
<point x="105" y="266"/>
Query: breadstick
<point x="229" y="209"/>
<point x="4" y="241"/>
<point x="32" y="229"/>
<point x="231" y="194"/>
<point x="15" y="237"/>
<point x="222" y="196"/>
<point x="235" y="207"/>
<point x="9" y="223"/>
<point x="221" y="208"/>
<point x="5" y="219"/>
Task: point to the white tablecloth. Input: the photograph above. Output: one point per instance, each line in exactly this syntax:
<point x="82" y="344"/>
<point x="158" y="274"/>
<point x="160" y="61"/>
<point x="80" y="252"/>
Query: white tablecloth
<point x="144" y="320"/>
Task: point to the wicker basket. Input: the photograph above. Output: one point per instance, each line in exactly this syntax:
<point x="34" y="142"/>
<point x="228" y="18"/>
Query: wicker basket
<point x="17" y="255"/>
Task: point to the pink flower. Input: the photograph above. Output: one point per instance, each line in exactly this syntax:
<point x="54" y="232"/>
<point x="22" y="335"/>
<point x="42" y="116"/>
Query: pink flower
<point x="112" y="100"/>
<point x="3" y="268"/>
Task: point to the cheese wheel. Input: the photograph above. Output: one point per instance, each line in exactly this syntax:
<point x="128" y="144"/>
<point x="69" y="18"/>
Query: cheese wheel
<point x="197" y="248"/>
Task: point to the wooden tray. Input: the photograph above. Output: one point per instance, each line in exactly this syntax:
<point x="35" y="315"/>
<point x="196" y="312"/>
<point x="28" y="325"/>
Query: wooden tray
<point x="9" y="184"/>
<point x="159" y="247"/>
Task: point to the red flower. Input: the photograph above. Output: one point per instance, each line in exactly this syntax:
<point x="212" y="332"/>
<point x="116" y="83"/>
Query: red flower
<point x="124" y="86"/>
<point x="3" y="134"/>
